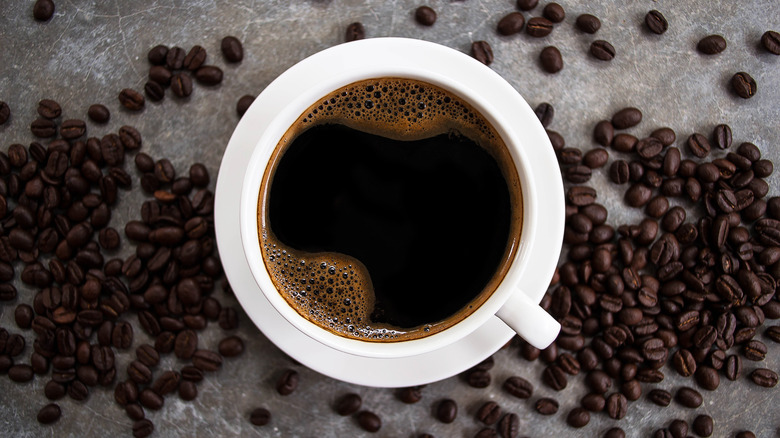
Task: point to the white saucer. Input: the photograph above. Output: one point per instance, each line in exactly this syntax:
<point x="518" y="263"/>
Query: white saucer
<point x="396" y="372"/>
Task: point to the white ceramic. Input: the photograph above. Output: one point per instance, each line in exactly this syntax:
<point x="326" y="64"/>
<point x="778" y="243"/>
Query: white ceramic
<point x="515" y="301"/>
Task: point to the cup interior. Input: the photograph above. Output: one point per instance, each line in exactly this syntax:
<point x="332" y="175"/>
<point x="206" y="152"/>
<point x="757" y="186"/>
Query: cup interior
<point x="401" y="58"/>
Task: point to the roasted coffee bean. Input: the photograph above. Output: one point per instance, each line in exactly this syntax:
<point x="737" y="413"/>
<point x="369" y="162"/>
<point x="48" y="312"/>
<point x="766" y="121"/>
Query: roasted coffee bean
<point x="287" y="382"/>
<point x="588" y="23"/>
<point x="616" y="406"/>
<point x="602" y="50"/>
<point x="208" y="75"/>
<point x="551" y="60"/>
<point x="72" y="129"/>
<point x="154" y="91"/>
<point x="733" y="367"/>
<point x="482" y="52"/>
<point x="49" y="109"/>
<point x="626" y="118"/>
<point x="143" y="428"/>
<point x="755" y="350"/>
<point x="446" y="411"/>
<point x="181" y="85"/>
<point x="174" y="59"/>
<point x="150" y="399"/>
<point x="538" y="27"/>
<point x="489" y="413"/>
<point x="770" y="40"/>
<point x="51" y="412"/>
<point x="711" y="45"/>
<point x="231" y="346"/>
<point x="134" y="411"/>
<point x="595" y="158"/>
<point x="707" y="377"/>
<point x="511" y="24"/>
<point x="743" y="85"/>
<point x="425" y="15"/>
<point x="593" y="402"/>
<point x="764" y="377"/>
<point x="157" y="55"/>
<point x="195" y="58"/>
<point x="21" y="373"/>
<point x="703" y="425"/>
<point x="139" y="373"/>
<point x="232" y="49"/>
<point x="228" y="318"/>
<point x="603" y="133"/>
<point x="578" y="417"/>
<point x="5" y="114"/>
<point x="660" y="397"/>
<point x="509" y="426"/>
<point x="478" y="378"/>
<point x="355" y="31"/>
<point x="98" y="113"/>
<point x="656" y="22"/>
<point x="683" y="362"/>
<point x="244" y="102"/>
<point x="348" y="404"/>
<point x="260" y="416"/>
<point x="619" y="172"/>
<point x="688" y="397"/>
<point x="545" y="406"/>
<point x="131" y="99"/>
<point x="554" y="377"/>
<point x="186" y="344"/>
<point x="554" y="12"/>
<point x="638" y="195"/>
<point x="518" y="387"/>
<point x="43" y="128"/>
<point x="526" y="5"/>
<point x="369" y="421"/>
<point x="166" y="383"/>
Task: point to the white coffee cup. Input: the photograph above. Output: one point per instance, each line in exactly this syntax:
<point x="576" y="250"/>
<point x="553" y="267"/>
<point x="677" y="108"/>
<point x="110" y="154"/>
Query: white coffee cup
<point x="279" y="106"/>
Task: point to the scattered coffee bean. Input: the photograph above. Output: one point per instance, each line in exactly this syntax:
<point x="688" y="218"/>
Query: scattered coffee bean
<point x="287" y="383"/>
<point x="260" y="416"/>
<point x="656" y="22"/>
<point x="546" y="406"/>
<point x="5" y="112"/>
<point x="551" y="59"/>
<point x="511" y="24"/>
<point x="602" y="50"/>
<point x="554" y="12"/>
<point x="711" y="45"/>
<point x="355" y="31"/>
<point x="143" y="428"/>
<point x="744" y="85"/>
<point x="518" y="387"/>
<point x="369" y="421"/>
<point x="526" y="5"/>
<point x="446" y="411"/>
<point x="509" y="425"/>
<point x="770" y="40"/>
<point x="348" y="404"/>
<point x="588" y="23"/>
<point x="578" y="417"/>
<point x="688" y="397"/>
<point x="208" y="75"/>
<point x="231" y="346"/>
<point x="43" y="10"/>
<point x="482" y="52"/>
<point x="243" y="104"/>
<point x="181" y="85"/>
<point x="131" y="99"/>
<point x="489" y="413"/>
<point x="626" y="118"/>
<point x="703" y="425"/>
<point x="98" y="113"/>
<point x="425" y="15"/>
<point x="764" y="377"/>
<point x="49" y="413"/>
<point x="232" y="49"/>
<point x="538" y="27"/>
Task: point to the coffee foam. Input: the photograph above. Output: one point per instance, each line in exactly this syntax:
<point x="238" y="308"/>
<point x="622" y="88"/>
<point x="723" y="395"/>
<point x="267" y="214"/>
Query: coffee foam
<point x="334" y="290"/>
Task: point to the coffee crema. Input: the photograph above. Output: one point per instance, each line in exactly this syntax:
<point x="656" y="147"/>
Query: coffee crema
<point x="389" y="211"/>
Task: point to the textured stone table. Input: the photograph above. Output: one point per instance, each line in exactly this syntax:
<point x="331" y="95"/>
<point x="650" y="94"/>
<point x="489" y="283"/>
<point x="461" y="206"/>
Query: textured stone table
<point x="89" y="51"/>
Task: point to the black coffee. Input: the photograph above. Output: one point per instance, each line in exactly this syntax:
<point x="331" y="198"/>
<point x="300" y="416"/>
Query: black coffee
<point x="386" y="214"/>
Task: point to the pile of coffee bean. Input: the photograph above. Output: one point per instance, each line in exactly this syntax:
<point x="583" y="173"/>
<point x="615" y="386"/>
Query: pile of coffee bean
<point x="56" y="204"/>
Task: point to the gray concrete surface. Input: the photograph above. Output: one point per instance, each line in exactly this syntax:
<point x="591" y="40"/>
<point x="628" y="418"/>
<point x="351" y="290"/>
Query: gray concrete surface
<point x="90" y="50"/>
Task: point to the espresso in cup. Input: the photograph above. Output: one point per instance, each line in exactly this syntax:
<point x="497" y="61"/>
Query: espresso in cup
<point x="389" y="211"/>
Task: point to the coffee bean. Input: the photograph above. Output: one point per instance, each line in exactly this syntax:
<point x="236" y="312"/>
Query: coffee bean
<point x="231" y="346"/>
<point x="656" y="22"/>
<point x="174" y="59"/>
<point x="131" y="99"/>
<point x="369" y="421"/>
<point x="703" y="425"/>
<point x="188" y="390"/>
<point x="615" y="432"/>
<point x="181" y="85"/>
<point x="43" y="10"/>
<point x="617" y="405"/>
<point x="595" y="158"/>
<point x="545" y="113"/>
<point x="538" y="27"/>
<point x="602" y="50"/>
<point x="660" y="397"/>
<point x="603" y="133"/>
<point x="593" y="402"/>
<point x="588" y="23"/>
<point x="707" y="377"/>
<point x="287" y="383"/>
<point x="23" y="314"/>
<point x="489" y="413"/>
<point x="743" y="85"/>
<point x="518" y="387"/>
<point x="208" y="75"/>
<point x="683" y="362"/>
<point x="232" y="49"/>
<point x="260" y="416"/>
<point x="446" y="411"/>
<point x="355" y="31"/>
<point x="711" y="45"/>
<point x="551" y="60"/>
<point x="733" y="367"/>
<point x="626" y="118"/>
<point x="526" y="5"/>
<point x="194" y="58"/>
<point x="688" y="397"/>
<point x="546" y="406"/>
<point x="49" y="109"/>
<point x="578" y="417"/>
<point x="478" y="378"/>
<point x="764" y="377"/>
<point x="554" y="12"/>
<point x="143" y="428"/>
<point x="98" y="113"/>
<point x="511" y="24"/>
<point x="509" y="426"/>
<point x="20" y="372"/>
<point x="243" y="104"/>
<point x="5" y="114"/>
<point x="139" y="373"/>
<point x="637" y="195"/>
<point x="482" y="52"/>
<point x="770" y="40"/>
<point x="425" y="15"/>
<point x="348" y="404"/>
<point x="72" y="129"/>
<point x="186" y="344"/>
<point x="43" y="128"/>
<point x="51" y="412"/>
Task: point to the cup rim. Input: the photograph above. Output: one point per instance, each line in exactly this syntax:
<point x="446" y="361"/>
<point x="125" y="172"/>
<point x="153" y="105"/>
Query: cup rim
<point x="367" y="59"/>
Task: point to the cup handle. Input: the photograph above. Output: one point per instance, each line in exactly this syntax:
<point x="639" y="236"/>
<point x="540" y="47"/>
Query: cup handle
<point x="529" y="320"/>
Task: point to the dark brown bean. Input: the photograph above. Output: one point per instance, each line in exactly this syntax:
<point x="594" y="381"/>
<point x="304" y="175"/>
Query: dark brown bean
<point x="744" y="85"/>
<point x="260" y="416"/>
<point x="602" y="50"/>
<point x="511" y="24"/>
<point x="578" y="417"/>
<point x="711" y="45"/>
<point x="369" y="421"/>
<point x="131" y="99"/>
<point x="232" y="49"/>
<point x="49" y="413"/>
<point x="447" y="411"/>
<point x="482" y="52"/>
<point x="688" y="397"/>
<point x="656" y="22"/>
<point x="355" y="31"/>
